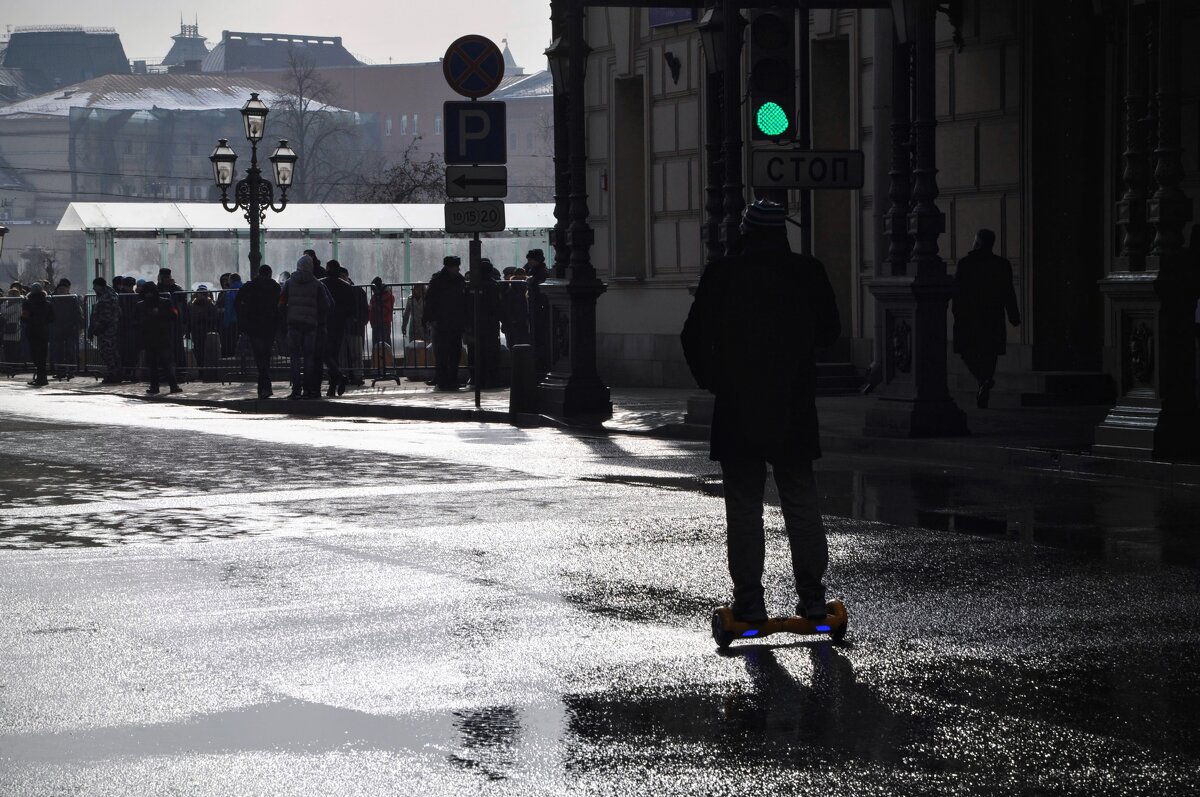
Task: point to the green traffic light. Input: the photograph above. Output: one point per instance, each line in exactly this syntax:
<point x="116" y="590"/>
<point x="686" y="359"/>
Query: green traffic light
<point x="771" y="119"/>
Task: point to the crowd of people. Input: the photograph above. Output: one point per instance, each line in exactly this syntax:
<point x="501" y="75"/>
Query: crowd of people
<point x="316" y="315"/>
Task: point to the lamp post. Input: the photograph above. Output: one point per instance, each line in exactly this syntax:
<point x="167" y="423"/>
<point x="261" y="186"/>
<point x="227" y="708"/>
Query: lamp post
<point x="253" y="194"/>
<point x="3" y="232"/>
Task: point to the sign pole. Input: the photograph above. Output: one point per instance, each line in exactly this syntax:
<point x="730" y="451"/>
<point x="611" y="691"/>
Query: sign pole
<point x="474" y="67"/>
<point x="476" y="263"/>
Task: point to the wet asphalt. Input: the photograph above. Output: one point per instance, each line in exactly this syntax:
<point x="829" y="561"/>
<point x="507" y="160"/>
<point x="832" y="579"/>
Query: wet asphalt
<point x="204" y="602"/>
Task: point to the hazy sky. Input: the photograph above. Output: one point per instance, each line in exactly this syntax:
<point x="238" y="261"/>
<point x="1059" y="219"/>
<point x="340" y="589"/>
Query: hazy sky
<point x="374" y="30"/>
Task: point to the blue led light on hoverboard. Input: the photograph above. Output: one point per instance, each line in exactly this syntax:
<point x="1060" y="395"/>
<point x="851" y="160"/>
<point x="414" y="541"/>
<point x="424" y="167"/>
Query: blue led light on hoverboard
<point x="751" y="632"/>
<point x="823" y="629"/>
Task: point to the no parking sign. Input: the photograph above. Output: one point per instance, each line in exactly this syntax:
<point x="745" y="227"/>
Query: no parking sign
<point x="473" y="66"/>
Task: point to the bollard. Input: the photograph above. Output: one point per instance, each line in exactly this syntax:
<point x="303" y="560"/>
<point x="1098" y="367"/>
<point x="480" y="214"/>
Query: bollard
<point x="522" y="396"/>
<point x="212" y="356"/>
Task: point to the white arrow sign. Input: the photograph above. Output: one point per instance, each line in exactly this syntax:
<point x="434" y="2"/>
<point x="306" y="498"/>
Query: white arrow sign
<point x="476" y="181"/>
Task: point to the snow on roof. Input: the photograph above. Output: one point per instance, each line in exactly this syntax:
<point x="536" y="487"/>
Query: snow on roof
<point x="144" y="92"/>
<point x="211" y="217"/>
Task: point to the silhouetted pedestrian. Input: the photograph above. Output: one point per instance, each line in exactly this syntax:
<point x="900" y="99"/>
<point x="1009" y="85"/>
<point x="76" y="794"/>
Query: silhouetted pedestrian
<point x="483" y="351"/>
<point x="36" y="317"/>
<point x="379" y="314"/>
<point x="751" y="339"/>
<point x="103" y="325"/>
<point x="168" y="287"/>
<point x="514" y="307"/>
<point x="257" y="308"/>
<point x="64" y="332"/>
<point x="446" y="312"/>
<point x="306" y="303"/>
<point x="157" y="318"/>
<point x="204" y="318"/>
<point x="983" y="293"/>
<point x="229" y="327"/>
<point x="343" y="313"/>
<point x="539" y="308"/>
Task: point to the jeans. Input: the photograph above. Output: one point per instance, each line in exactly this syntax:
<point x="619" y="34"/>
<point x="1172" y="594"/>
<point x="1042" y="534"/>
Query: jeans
<point x="302" y="347"/>
<point x="744" y="485"/>
<point x="447" y="351"/>
<point x="159" y="358"/>
<point x="261" y="346"/>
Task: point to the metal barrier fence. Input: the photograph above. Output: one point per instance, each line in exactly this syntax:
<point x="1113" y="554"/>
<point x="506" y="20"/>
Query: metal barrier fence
<point x="387" y="340"/>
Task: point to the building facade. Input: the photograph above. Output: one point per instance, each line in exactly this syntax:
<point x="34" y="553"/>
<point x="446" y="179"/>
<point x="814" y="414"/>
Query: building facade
<point x="1030" y="101"/>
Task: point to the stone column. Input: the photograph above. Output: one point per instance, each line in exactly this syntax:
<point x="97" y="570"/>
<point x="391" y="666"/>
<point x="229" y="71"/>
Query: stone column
<point x="573" y="388"/>
<point x="914" y="399"/>
<point x="734" y="199"/>
<point x="1149" y="315"/>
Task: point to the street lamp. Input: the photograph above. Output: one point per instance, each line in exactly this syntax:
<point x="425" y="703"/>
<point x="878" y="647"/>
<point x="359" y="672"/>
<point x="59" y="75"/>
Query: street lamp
<point x="3" y="232"/>
<point x="253" y="194"/>
<point x="711" y="28"/>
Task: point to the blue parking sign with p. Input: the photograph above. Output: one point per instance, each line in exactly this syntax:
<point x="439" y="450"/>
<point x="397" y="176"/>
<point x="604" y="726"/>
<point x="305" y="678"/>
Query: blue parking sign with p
<point x="475" y="132"/>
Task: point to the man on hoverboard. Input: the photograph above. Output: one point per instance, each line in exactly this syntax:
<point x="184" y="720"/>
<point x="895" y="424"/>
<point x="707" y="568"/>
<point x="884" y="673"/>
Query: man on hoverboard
<point x="751" y="337"/>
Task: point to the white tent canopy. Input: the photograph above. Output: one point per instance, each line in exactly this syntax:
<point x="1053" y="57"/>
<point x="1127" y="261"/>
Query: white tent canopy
<point x="201" y="240"/>
<point x="211" y="217"/>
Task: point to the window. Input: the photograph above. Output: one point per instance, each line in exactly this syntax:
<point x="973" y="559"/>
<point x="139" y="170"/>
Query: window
<point x="404" y="125"/>
<point x="127" y="147"/>
<point x="416" y="126"/>
<point x="437" y="124"/>
<point x="529" y="141"/>
<point x="387" y="127"/>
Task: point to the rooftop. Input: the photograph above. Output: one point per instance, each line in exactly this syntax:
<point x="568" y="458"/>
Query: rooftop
<point x="145" y="92"/>
<point x="240" y="50"/>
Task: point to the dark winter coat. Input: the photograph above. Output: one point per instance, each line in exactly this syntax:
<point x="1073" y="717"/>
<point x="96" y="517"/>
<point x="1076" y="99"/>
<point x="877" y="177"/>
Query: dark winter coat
<point x="257" y="306"/>
<point x="156" y="317"/>
<point x="203" y="317"/>
<point x="68" y="316"/>
<point x="446" y="301"/>
<point x="983" y="294"/>
<point x="36" y="316"/>
<point x="343" y="315"/>
<point x="751" y="339"/>
<point x="305" y="300"/>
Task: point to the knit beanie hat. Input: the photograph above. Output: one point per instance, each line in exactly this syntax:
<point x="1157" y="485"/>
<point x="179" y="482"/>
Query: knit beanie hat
<point x="764" y="213"/>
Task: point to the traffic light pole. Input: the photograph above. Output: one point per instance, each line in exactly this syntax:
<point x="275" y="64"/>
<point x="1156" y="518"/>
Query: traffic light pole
<point x="805" y="131"/>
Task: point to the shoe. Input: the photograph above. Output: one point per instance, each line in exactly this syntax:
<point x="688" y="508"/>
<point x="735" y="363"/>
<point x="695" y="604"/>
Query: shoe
<point x="356" y="382"/>
<point x="449" y="388"/>
<point x="332" y="391"/>
<point x="981" y="397"/>
<point x="151" y="391"/>
<point x="812" y="606"/>
<point x="341" y="388"/>
<point x="177" y="389"/>
<point x="111" y="380"/>
<point x="752" y="613"/>
<point x="294" y="397"/>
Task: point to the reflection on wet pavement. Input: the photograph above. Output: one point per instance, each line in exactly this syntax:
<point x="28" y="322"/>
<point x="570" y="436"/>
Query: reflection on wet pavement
<point x="390" y="608"/>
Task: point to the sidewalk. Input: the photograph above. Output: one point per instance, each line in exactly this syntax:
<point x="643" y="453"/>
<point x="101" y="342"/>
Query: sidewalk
<point x="1052" y="439"/>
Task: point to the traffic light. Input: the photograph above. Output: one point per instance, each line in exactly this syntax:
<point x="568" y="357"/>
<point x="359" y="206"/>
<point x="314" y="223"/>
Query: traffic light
<point x="772" y="74"/>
